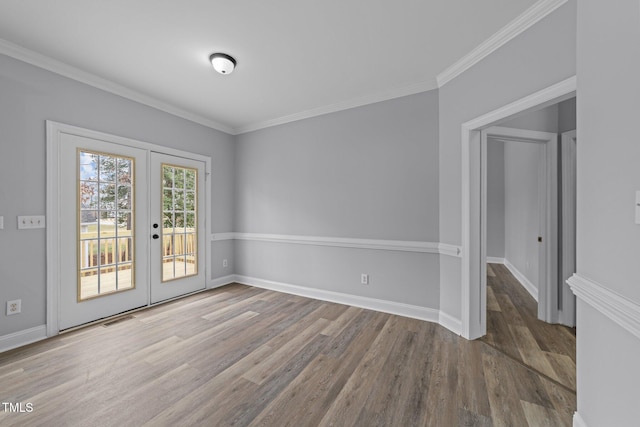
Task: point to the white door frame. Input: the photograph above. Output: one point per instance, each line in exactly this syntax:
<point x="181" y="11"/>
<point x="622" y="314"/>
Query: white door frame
<point x="53" y="249"/>
<point x="567" y="304"/>
<point x="547" y="295"/>
<point x="473" y="304"/>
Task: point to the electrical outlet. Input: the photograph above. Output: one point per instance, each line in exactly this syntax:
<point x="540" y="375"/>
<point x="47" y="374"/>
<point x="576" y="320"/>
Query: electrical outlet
<point x="364" y="279"/>
<point x="225" y="264"/>
<point x="14" y="307"/>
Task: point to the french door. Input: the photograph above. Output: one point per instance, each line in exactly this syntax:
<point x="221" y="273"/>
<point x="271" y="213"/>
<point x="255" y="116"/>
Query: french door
<point x="131" y="228"/>
<point x="177" y="216"/>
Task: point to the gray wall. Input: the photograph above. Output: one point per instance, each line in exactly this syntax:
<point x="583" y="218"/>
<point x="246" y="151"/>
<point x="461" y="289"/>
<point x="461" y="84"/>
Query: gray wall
<point x="538" y="58"/>
<point x="608" y="240"/>
<point x="369" y="172"/>
<point x="522" y="214"/>
<point x="495" y="199"/>
<point x="30" y="96"/>
<point x="567" y="115"/>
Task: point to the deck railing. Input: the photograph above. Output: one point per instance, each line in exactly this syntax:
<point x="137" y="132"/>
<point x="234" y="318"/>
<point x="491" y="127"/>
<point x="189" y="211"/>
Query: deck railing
<point x="106" y="249"/>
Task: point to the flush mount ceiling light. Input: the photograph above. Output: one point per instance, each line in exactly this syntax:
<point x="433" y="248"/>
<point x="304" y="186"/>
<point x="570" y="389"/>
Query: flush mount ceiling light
<point x="222" y="63"/>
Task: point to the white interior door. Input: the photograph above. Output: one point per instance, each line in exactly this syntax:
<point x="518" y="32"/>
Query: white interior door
<point x="103" y="222"/>
<point x="177" y="226"/>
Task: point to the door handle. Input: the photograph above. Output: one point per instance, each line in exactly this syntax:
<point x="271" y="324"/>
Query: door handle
<point x="155" y="236"/>
<point x="155" y="225"/>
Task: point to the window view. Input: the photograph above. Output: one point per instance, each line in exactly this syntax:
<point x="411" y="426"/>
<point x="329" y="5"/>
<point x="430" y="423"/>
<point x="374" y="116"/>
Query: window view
<point x="105" y="224"/>
<point x="179" y="230"/>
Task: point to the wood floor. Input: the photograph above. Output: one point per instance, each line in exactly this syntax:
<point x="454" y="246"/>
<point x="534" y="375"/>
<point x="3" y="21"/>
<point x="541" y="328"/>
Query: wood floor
<point x="513" y="328"/>
<point x="243" y="356"/>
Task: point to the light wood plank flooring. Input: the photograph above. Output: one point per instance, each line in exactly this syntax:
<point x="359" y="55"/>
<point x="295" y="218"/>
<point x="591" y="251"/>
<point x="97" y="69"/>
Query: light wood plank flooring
<point x="243" y="356"/>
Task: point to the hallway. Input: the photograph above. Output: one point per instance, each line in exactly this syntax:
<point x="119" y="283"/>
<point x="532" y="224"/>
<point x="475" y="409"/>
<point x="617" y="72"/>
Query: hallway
<point x="514" y="329"/>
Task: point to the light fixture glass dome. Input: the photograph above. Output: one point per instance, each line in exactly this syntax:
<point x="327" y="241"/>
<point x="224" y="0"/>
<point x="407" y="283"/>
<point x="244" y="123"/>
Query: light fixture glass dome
<point x="223" y="63"/>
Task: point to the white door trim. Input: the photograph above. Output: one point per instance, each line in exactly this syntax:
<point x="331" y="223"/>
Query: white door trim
<point x="567" y="306"/>
<point x="53" y="140"/>
<point x="472" y="325"/>
<point x="548" y="208"/>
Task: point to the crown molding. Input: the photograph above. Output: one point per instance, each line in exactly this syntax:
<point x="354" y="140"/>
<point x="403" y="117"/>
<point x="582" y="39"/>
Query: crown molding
<point x="399" y="92"/>
<point x="532" y="15"/>
<point x="516" y="27"/>
<point x="47" y="63"/>
<point x="621" y="310"/>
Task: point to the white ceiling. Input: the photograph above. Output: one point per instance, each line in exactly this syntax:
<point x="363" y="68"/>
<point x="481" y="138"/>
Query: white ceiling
<point x="294" y="56"/>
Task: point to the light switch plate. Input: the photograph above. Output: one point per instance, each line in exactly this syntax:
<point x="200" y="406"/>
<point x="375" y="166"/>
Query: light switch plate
<point x="637" y="207"/>
<point x="31" y="221"/>
<point x="1" y="222"/>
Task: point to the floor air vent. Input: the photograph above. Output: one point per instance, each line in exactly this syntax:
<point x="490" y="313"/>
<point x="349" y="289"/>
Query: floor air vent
<point x="118" y="320"/>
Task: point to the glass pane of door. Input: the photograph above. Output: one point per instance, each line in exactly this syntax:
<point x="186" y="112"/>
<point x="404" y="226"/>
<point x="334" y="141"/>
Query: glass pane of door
<point x="105" y="224"/>
<point x="180" y="227"/>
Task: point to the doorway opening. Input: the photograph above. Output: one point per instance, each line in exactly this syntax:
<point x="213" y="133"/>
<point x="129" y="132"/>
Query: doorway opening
<point x="520" y="206"/>
<point x="516" y="308"/>
<point x="474" y="297"/>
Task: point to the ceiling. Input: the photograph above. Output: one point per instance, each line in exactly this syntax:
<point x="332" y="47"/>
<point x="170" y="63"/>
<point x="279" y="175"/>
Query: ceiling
<point x="295" y="57"/>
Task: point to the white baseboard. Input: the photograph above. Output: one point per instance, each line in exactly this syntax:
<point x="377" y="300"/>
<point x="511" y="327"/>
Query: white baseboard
<point x="400" y="309"/>
<point x="221" y="281"/>
<point x="450" y="322"/>
<point x="495" y="260"/>
<point x="20" y="338"/>
<point x="522" y="279"/>
<point x="578" y="421"/>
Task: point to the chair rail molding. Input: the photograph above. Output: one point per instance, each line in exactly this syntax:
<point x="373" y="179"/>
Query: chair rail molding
<point x="621" y="310"/>
<point x="346" y="242"/>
